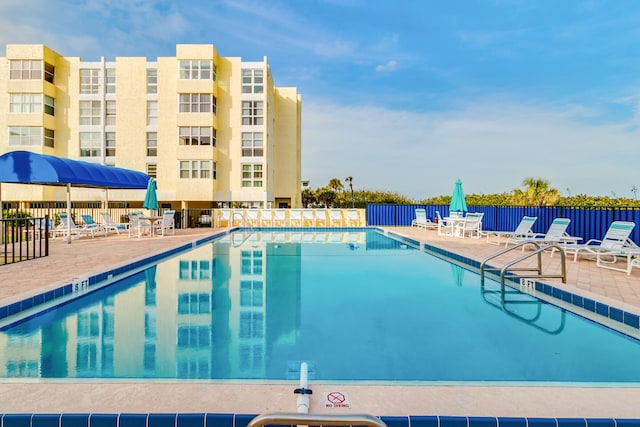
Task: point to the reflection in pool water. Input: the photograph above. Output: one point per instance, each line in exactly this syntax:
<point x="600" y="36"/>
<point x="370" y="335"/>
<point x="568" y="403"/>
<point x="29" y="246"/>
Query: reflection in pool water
<point x="353" y="305"/>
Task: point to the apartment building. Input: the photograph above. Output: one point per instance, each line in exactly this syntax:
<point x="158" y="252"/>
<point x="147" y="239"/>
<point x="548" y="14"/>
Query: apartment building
<point x="214" y="131"/>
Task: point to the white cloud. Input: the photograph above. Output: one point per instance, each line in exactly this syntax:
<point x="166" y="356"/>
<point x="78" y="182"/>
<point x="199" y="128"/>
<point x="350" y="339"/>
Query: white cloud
<point x="389" y="66"/>
<point x="491" y="147"/>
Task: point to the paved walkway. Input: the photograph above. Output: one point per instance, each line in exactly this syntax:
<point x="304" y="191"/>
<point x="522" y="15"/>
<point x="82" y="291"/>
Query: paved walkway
<point x="85" y="257"/>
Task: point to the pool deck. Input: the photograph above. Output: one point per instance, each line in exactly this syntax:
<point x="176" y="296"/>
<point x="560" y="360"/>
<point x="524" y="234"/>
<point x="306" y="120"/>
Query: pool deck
<point x="85" y="257"/>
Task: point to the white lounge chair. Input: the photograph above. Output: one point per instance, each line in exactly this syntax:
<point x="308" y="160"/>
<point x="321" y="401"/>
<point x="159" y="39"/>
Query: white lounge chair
<point x="266" y="217"/>
<point x="109" y="224"/>
<point x="612" y="245"/>
<point x="353" y="218"/>
<point x="335" y="218"/>
<point x="166" y="224"/>
<point x="280" y="218"/>
<point x="68" y="228"/>
<point x="138" y="226"/>
<point x="308" y="218"/>
<point x="90" y="224"/>
<point x="523" y="230"/>
<point x="445" y="227"/>
<point x="224" y="217"/>
<point x="557" y="233"/>
<point x="471" y="226"/>
<point x="320" y="217"/>
<point x="295" y="218"/>
<point x="421" y="220"/>
<point x="251" y="218"/>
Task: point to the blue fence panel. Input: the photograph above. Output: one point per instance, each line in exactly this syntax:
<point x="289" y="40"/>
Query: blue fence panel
<point x="587" y="223"/>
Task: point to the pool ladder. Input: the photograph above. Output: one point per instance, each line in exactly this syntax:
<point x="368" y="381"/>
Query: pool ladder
<point x="288" y="419"/>
<point x="509" y="266"/>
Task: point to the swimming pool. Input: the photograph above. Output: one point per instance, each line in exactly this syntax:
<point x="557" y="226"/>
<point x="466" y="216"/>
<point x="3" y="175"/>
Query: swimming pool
<point x="354" y="305"/>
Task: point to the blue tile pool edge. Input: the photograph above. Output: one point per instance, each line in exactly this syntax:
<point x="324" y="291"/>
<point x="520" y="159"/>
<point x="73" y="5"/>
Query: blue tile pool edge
<point x="89" y="284"/>
<point x="83" y="286"/>
<point x="242" y="420"/>
<point x="610" y="312"/>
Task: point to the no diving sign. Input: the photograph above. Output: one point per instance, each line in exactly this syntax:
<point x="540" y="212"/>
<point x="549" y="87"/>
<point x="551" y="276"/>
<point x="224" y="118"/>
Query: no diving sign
<point x="336" y="399"/>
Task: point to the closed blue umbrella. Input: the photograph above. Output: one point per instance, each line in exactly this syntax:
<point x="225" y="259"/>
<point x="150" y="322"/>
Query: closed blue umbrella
<point x="151" y="197"/>
<point x="458" y="202"/>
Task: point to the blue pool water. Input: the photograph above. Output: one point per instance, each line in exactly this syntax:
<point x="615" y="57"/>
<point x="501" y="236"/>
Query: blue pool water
<point x="353" y="305"/>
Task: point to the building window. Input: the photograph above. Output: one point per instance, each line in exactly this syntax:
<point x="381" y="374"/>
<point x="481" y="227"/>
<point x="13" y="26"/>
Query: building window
<point x="110" y="144"/>
<point x="252" y="81"/>
<point x="49" y="138"/>
<point x="197" y="169"/>
<point x="252" y="144"/>
<point x="110" y="119"/>
<point x="152" y="144"/>
<point x="25" y="136"/>
<point x="152" y="113"/>
<point x="197" y="103"/>
<point x="49" y="105"/>
<point x="195" y="70"/>
<point x="49" y="72"/>
<point x="89" y="80"/>
<point x="25" y="103"/>
<point x="194" y="303"/>
<point x="90" y="144"/>
<point x="25" y="70"/>
<point x="152" y="170"/>
<point x="152" y="80"/>
<point x="252" y="175"/>
<point x="111" y="80"/>
<point x="194" y="136"/>
<point x="252" y="112"/>
<point x="90" y="112"/>
<point x="251" y="293"/>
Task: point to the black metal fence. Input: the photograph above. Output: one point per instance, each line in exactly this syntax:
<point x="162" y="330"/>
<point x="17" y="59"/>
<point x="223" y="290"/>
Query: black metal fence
<point x="22" y="239"/>
<point x="588" y="223"/>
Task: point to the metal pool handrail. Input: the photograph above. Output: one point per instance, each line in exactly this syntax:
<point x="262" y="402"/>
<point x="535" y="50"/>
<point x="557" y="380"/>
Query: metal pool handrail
<point x="285" y="418"/>
<point x="537" y="252"/>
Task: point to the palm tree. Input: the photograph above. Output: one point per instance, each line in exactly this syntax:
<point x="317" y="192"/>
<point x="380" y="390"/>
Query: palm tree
<point x="335" y="185"/>
<point x="349" y="179"/>
<point x="538" y="192"/>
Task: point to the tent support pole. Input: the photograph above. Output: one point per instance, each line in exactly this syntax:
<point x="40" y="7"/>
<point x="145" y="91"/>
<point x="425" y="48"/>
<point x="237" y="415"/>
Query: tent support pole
<point x="1" y="216"/>
<point x="68" y="213"/>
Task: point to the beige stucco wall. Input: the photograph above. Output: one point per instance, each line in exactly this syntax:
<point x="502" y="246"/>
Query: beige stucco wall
<point x="282" y="135"/>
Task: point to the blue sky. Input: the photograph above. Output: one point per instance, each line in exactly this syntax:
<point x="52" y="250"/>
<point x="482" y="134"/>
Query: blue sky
<point x="407" y="96"/>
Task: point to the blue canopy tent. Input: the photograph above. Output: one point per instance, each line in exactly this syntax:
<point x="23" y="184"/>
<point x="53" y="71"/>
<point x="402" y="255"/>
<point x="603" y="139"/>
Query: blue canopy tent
<point x="25" y="167"/>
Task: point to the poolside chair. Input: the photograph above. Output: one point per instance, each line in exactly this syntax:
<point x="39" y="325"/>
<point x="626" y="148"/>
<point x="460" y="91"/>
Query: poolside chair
<point x="138" y="226"/>
<point x="421" y="220"/>
<point x="295" y="218"/>
<point x="353" y="218"/>
<point x="280" y="218"/>
<point x="523" y="230"/>
<point x="38" y="227"/>
<point x="166" y="224"/>
<point x="68" y="228"/>
<point x="308" y="218"/>
<point x="90" y="223"/>
<point x="471" y="226"/>
<point x="633" y="262"/>
<point x="266" y="217"/>
<point x="557" y="233"/>
<point x="335" y="218"/>
<point x="251" y="218"/>
<point x="224" y="216"/>
<point x="320" y="218"/>
<point x="612" y="245"/>
<point x="109" y="224"/>
<point x="445" y="226"/>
